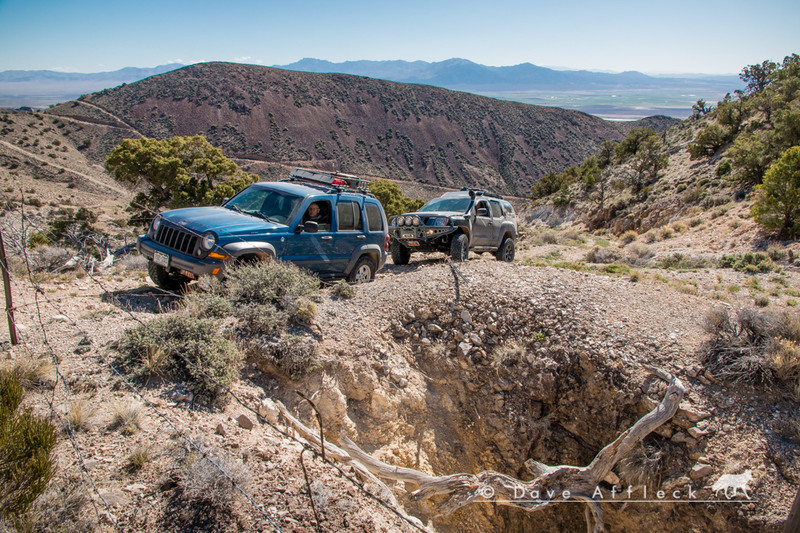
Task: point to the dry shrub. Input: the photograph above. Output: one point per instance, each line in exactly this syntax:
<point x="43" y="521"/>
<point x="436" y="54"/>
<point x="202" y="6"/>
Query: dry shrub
<point x="79" y="414"/>
<point x="292" y="355"/>
<point x="785" y="363"/>
<point x="139" y="457"/>
<point x="603" y="255"/>
<point x="753" y="346"/>
<point x="198" y="354"/>
<point x="642" y="466"/>
<point x="628" y="237"/>
<point x="31" y="372"/>
<point x="549" y="237"/>
<point x="639" y="254"/>
<point x="48" y="258"/>
<point x="204" y="476"/>
<point x="126" y="416"/>
<point x="64" y="507"/>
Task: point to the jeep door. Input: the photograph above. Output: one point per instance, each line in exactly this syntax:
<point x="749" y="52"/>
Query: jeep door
<point x="350" y="234"/>
<point x="314" y="251"/>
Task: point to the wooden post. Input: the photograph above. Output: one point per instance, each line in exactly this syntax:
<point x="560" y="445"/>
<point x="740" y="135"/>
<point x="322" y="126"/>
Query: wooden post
<point x="12" y="329"/>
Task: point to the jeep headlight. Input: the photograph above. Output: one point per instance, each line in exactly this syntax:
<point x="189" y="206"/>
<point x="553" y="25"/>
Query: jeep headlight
<point x="416" y="221"/>
<point x="154" y="227"/>
<point x="207" y="240"/>
<point x="438" y="221"/>
<point x="401" y="220"/>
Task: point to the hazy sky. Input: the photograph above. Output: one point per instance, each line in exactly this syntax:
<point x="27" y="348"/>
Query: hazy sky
<point x="669" y="36"/>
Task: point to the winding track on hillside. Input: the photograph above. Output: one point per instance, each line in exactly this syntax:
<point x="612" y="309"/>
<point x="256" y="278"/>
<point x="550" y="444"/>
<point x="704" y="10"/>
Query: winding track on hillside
<point x="117" y="190"/>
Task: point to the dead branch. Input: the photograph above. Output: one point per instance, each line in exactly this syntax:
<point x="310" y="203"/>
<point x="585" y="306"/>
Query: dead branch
<point x="551" y="484"/>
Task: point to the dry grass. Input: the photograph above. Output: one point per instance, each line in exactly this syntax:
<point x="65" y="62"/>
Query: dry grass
<point x="139" y="457"/>
<point x="126" y="416"/>
<point x="79" y="414"/>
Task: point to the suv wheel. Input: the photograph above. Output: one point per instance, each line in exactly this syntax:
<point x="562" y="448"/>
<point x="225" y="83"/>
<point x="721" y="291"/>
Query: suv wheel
<point x="506" y="250"/>
<point x="401" y="255"/>
<point x="459" y="247"/>
<point x="363" y="272"/>
<point x="164" y="279"/>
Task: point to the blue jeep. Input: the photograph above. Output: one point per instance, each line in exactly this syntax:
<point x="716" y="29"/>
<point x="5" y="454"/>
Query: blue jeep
<point x="324" y="222"/>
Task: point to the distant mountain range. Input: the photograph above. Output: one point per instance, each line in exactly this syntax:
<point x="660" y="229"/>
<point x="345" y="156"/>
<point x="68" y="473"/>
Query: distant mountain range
<point x="41" y="88"/>
<point x="623" y="96"/>
<point x="626" y="96"/>
<point x="464" y="75"/>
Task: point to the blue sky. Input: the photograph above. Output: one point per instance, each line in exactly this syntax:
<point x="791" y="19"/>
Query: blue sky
<point x="676" y="36"/>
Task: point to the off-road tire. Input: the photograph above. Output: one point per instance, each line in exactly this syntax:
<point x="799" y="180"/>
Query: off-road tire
<point x="459" y="247"/>
<point x="401" y="255"/>
<point x="506" y="250"/>
<point x="363" y="272"/>
<point x="168" y="281"/>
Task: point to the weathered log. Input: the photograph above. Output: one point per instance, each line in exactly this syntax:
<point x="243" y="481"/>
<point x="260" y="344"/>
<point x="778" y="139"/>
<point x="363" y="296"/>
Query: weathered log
<point x="551" y="484"/>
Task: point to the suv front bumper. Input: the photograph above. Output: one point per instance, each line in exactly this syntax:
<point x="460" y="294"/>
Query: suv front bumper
<point x="422" y="237"/>
<point x="187" y="265"/>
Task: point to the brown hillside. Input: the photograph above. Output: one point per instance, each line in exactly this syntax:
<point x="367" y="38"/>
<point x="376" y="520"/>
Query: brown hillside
<point x="353" y="124"/>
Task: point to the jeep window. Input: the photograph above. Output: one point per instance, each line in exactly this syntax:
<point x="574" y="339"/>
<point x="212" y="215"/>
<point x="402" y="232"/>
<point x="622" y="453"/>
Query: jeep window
<point x="509" y="209"/>
<point x="273" y="206"/>
<point x="496" y="211"/>
<point x="374" y="218"/>
<point x="323" y="217"/>
<point x="349" y="216"/>
<point x="447" y="204"/>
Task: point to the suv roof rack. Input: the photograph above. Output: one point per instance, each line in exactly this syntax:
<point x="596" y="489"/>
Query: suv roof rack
<point x="481" y="192"/>
<point x="335" y="180"/>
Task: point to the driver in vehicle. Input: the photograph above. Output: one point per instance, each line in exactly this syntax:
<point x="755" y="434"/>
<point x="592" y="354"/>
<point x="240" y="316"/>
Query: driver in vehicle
<point x="314" y="214"/>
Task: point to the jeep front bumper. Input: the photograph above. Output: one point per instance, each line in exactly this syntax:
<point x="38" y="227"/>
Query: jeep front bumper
<point x="170" y="259"/>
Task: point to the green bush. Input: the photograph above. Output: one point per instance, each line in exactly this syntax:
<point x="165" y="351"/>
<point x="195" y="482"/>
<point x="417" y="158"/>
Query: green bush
<point x="26" y="444"/>
<point x="750" y="262"/>
<point x="268" y="282"/>
<point x="208" y="362"/>
<point x="342" y="289"/>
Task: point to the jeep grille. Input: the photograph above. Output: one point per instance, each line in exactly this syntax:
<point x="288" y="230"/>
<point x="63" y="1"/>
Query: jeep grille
<point x="177" y="239"/>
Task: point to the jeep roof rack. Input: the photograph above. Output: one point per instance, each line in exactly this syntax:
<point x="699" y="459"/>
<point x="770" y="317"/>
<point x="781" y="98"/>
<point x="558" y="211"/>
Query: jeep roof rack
<point x="481" y="192"/>
<point x="335" y="180"/>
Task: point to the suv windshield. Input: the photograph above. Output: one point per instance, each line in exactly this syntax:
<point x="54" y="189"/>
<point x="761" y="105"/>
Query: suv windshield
<point x="447" y="204"/>
<point x="271" y="205"/>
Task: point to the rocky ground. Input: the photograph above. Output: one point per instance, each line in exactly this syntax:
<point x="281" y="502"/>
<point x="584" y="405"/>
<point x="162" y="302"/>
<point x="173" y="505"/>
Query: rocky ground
<point x="444" y="372"/>
<point x="514" y="362"/>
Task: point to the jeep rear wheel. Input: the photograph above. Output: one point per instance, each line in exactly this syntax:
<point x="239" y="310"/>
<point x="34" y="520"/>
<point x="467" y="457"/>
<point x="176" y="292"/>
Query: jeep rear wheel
<point x="506" y="250"/>
<point x="401" y="255"/>
<point x="166" y="280"/>
<point x="459" y="247"/>
<point x="363" y="272"/>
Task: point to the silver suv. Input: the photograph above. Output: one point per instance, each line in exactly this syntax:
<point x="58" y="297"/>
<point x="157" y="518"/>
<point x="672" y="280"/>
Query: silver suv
<point x="455" y="223"/>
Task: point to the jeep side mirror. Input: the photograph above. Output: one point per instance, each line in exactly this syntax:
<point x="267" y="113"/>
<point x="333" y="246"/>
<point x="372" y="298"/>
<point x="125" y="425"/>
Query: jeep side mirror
<point x="482" y="212"/>
<point x="309" y="227"/>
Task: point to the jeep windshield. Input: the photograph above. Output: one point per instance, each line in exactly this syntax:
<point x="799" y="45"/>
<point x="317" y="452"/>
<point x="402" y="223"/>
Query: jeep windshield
<point x="447" y="204"/>
<point x="271" y="205"/>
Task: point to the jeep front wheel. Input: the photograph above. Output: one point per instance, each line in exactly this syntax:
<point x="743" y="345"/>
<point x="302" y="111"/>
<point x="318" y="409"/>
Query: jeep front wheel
<point x="459" y="247"/>
<point x="164" y="279"/>
<point x="506" y="250"/>
<point x="363" y="272"/>
<point x="401" y="255"/>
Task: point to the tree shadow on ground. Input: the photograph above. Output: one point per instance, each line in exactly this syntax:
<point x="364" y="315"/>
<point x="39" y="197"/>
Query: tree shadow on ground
<point x="145" y="299"/>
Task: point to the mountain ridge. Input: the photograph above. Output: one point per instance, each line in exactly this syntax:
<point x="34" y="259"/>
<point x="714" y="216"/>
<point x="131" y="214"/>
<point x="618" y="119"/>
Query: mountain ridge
<point x="457" y="73"/>
<point x="355" y="124"/>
